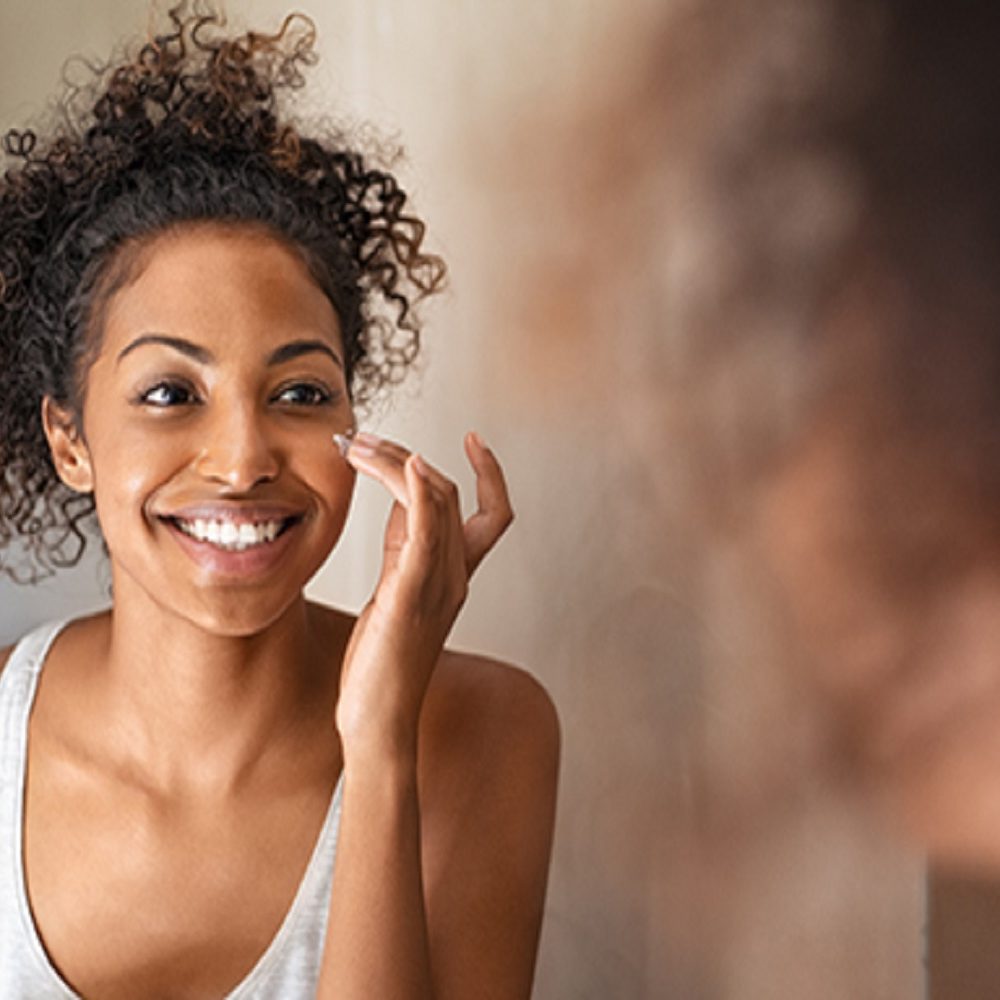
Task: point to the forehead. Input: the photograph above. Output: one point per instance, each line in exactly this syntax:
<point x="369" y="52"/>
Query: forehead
<point x="220" y="286"/>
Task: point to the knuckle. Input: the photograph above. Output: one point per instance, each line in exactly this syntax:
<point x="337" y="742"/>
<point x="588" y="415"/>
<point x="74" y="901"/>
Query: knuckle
<point x="428" y="539"/>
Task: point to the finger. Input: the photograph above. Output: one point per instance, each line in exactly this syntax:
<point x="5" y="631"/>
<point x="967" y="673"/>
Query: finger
<point x="366" y="445"/>
<point x="423" y="531"/>
<point x="445" y="490"/>
<point x="494" y="513"/>
<point x="452" y="535"/>
<point x="381" y="460"/>
<point x="363" y="441"/>
<point x="449" y="583"/>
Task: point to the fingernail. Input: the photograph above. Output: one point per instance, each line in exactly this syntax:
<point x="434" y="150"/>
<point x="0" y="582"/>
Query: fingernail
<point x="421" y="466"/>
<point x="352" y="445"/>
<point x="478" y="439"/>
<point x="343" y="442"/>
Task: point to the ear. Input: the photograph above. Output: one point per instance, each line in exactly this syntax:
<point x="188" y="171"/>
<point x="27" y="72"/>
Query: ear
<point x="70" y="454"/>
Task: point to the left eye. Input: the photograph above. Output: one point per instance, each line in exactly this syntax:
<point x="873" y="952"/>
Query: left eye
<point x="303" y="394"/>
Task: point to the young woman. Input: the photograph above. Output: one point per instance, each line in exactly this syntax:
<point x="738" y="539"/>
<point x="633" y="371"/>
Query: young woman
<point x="217" y="788"/>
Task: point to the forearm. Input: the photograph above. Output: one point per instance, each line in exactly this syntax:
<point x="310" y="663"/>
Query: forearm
<point x="376" y="940"/>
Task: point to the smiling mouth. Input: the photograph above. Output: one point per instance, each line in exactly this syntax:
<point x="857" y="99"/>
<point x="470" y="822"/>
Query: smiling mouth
<point x="233" y="536"/>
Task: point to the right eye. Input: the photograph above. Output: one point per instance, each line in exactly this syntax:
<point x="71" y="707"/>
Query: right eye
<point x="167" y="394"/>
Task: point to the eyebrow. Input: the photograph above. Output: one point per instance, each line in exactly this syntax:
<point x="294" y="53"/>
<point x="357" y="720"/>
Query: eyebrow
<point x="287" y="352"/>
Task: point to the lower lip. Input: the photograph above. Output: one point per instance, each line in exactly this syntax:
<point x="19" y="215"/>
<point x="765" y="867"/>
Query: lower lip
<point x="253" y="561"/>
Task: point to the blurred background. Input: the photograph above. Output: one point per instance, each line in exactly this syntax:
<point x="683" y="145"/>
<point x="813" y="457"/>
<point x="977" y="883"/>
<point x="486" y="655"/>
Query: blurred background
<point x="711" y="840"/>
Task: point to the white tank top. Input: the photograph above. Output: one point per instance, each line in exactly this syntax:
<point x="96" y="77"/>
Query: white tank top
<point x="288" y="969"/>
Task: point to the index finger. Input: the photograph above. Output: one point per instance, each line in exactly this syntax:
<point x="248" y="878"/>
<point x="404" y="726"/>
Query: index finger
<point x="494" y="513"/>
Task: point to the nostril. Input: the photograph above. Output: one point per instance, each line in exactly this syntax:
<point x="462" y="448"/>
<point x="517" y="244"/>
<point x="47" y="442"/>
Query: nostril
<point x="239" y="470"/>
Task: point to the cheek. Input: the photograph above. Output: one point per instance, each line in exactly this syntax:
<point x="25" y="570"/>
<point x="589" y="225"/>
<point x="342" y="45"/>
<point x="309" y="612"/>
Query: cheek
<point x="333" y="480"/>
<point x="315" y="460"/>
<point x="330" y="481"/>
<point x="128" y="469"/>
<point x="127" y="466"/>
<point x="812" y="536"/>
<point x="120" y="504"/>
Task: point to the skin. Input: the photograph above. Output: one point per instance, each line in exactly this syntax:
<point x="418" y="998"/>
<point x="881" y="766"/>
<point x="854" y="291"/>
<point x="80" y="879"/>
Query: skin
<point x="195" y="732"/>
<point x="909" y="673"/>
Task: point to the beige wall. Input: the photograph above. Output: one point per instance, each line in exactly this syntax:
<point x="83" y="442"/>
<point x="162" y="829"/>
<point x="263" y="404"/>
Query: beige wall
<point x="701" y="851"/>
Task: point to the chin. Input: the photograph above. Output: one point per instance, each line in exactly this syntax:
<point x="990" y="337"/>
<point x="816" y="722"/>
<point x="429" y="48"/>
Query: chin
<point x="215" y="592"/>
<point x="240" y="615"/>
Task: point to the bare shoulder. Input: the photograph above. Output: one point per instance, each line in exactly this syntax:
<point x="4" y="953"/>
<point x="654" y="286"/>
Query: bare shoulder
<point x="489" y="734"/>
<point x="500" y="685"/>
<point x="489" y="764"/>
<point x="492" y="713"/>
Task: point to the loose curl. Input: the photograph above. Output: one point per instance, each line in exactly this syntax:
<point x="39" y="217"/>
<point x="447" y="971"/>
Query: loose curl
<point x="189" y="130"/>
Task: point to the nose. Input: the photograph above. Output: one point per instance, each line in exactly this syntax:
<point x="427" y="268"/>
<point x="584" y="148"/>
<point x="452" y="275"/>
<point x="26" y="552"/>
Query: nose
<point x="236" y="449"/>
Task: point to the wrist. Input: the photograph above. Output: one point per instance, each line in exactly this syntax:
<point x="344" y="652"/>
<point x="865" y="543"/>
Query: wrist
<point x="389" y="750"/>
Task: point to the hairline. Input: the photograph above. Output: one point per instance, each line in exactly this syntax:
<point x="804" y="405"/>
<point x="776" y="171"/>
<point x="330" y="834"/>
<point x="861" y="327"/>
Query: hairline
<point x="129" y="259"/>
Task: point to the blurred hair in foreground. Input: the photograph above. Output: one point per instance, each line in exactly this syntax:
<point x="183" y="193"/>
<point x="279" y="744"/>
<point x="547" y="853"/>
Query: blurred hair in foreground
<point x="779" y="263"/>
<point x="840" y="355"/>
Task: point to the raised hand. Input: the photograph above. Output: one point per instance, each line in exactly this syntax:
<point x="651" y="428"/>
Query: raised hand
<point x="429" y="556"/>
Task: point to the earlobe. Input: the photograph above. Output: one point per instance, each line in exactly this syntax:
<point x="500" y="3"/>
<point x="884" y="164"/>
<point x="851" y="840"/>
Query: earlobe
<point x="70" y="454"/>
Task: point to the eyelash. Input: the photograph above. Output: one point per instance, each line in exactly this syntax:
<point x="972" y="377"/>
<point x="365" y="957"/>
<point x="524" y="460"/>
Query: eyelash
<point x="320" y="395"/>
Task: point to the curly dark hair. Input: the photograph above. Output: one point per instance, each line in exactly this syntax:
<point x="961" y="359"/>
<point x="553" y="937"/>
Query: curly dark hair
<point x="190" y="129"/>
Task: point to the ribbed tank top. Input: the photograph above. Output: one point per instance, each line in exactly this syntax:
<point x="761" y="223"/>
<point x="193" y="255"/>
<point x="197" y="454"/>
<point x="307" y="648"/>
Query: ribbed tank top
<point x="288" y="969"/>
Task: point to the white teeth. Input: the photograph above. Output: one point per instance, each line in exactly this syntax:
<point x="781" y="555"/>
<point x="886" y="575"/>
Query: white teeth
<point x="230" y="535"/>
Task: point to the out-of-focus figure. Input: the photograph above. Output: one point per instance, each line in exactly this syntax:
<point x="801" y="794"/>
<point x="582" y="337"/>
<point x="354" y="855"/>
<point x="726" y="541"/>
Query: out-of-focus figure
<point x="852" y="315"/>
<point x="767" y="257"/>
<point x="797" y="203"/>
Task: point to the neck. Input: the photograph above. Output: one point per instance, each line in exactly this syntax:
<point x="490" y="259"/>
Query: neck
<point x="196" y="713"/>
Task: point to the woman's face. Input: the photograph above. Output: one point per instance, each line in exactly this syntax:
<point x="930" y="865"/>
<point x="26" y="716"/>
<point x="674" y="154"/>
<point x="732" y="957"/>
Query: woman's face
<point x="207" y="429"/>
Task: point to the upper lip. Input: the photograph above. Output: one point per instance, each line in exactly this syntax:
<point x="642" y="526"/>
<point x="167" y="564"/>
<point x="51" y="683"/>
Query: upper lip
<point x="236" y="512"/>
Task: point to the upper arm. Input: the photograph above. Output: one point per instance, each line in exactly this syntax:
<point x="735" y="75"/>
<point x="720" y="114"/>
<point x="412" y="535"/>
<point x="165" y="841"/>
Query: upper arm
<point x="488" y="809"/>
